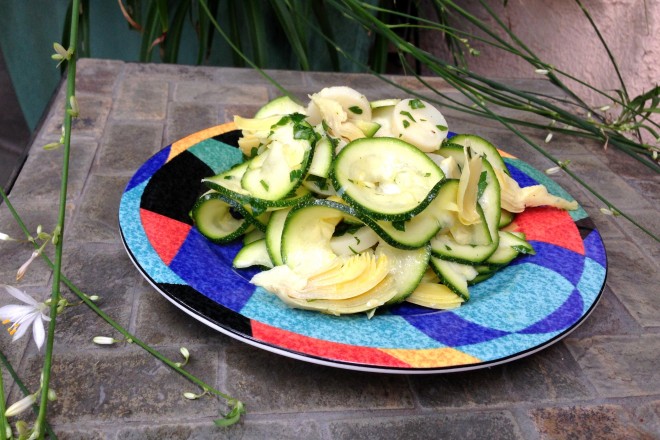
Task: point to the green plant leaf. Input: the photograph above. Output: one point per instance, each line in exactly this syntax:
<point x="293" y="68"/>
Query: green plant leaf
<point x="288" y="22"/>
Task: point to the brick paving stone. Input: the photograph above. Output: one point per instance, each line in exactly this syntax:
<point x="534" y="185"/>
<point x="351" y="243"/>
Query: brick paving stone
<point x="14" y="253"/>
<point x="161" y="322"/>
<point x="97" y="270"/>
<point x="41" y="173"/>
<point x="551" y="374"/>
<point x="607" y="422"/>
<point x="649" y="219"/>
<point x="647" y="416"/>
<point x="246" y="429"/>
<point x="168" y="72"/>
<point x="213" y="92"/>
<point x="448" y="425"/>
<point x="628" y="266"/>
<point x="98" y="76"/>
<point x="141" y="98"/>
<point x="82" y="434"/>
<point x="96" y="216"/>
<point x="619" y="366"/>
<point x="187" y="118"/>
<point x="127" y="145"/>
<point x="89" y="386"/>
<point x="227" y="112"/>
<point x="614" y="188"/>
<point x="264" y="380"/>
<point x="609" y="317"/>
<point x="94" y="110"/>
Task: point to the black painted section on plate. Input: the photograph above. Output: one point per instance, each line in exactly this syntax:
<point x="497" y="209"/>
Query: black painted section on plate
<point x="585" y="226"/>
<point x="229" y="138"/>
<point x="174" y="188"/>
<point x="202" y="306"/>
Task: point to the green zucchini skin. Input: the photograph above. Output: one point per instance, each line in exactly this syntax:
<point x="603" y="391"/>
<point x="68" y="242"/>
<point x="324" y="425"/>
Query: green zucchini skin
<point x="381" y="205"/>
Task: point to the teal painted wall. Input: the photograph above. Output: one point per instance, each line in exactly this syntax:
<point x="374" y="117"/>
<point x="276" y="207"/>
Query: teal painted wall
<point x="28" y="29"/>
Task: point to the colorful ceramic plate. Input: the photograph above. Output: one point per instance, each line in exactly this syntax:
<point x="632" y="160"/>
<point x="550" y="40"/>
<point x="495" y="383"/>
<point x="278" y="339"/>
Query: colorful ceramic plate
<point x="525" y="307"/>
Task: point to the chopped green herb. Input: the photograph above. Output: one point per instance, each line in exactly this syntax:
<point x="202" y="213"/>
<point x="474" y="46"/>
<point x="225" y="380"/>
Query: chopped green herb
<point x="355" y="109"/>
<point x="264" y="184"/>
<point x="416" y="103"/>
<point x="353" y="250"/>
<point x="295" y="175"/>
<point x="406" y="124"/>
<point x="357" y="240"/>
<point x="254" y="151"/>
<point x="481" y="186"/>
<point x="442" y="127"/>
<point x="408" y="115"/>
<point x="447" y="247"/>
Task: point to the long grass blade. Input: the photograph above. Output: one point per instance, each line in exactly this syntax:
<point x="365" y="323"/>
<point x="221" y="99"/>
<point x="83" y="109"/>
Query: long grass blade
<point x="321" y="14"/>
<point x="173" y="41"/>
<point x="149" y="34"/>
<point x="287" y="21"/>
<point x="255" y="25"/>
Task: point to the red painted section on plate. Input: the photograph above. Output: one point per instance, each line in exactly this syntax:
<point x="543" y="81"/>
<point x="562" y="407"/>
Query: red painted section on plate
<point x="550" y="225"/>
<point x="165" y="235"/>
<point x="325" y="349"/>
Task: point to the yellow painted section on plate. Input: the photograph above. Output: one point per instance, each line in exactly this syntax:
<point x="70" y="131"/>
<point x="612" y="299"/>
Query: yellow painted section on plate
<point x="505" y="154"/>
<point x="433" y="357"/>
<point x="182" y="145"/>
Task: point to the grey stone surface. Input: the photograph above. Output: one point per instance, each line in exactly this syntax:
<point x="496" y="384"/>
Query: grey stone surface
<point x="598" y="382"/>
<point x="464" y="425"/>
<point x="141" y="98"/>
<point x="127" y="145"/>
<point x="601" y="422"/>
<point x="266" y="379"/>
<point x="620" y="366"/>
<point x="96" y="219"/>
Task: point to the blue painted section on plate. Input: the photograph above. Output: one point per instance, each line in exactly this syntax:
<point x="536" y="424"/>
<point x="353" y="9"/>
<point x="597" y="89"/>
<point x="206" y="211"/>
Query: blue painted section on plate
<point x="381" y="331"/>
<point x="198" y="265"/>
<point x="149" y="168"/>
<point x="137" y="241"/>
<point x="565" y="316"/>
<point x="523" y="179"/>
<point x="453" y="330"/>
<point x="593" y="246"/>
<point x="561" y="260"/>
<point x="217" y="155"/>
<point x="591" y="283"/>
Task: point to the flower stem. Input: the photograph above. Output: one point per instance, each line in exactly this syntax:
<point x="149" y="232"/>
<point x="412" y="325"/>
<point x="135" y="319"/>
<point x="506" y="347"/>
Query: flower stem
<point x="55" y="292"/>
<point x="24" y="390"/>
<point x="128" y="336"/>
<point x="3" y="419"/>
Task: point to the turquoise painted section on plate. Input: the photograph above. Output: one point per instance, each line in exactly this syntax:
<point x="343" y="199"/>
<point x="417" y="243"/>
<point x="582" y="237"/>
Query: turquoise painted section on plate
<point x="505" y="303"/>
<point x="137" y="241"/>
<point x="506" y="346"/>
<point x="217" y="155"/>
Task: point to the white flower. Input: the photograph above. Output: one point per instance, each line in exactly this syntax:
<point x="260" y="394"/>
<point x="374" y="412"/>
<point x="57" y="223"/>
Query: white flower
<point x="20" y="406"/>
<point x="24" y="316"/>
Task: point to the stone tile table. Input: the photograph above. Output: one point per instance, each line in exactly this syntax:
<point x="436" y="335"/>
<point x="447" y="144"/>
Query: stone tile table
<point x="599" y="382"/>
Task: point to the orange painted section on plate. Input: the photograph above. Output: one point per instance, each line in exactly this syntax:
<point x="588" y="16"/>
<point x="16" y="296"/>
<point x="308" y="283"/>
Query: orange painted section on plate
<point x="165" y="235"/>
<point x="182" y="145"/>
<point x="550" y="225"/>
<point x="434" y="357"/>
<point x="373" y="357"/>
